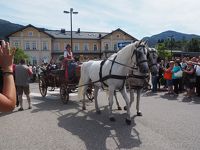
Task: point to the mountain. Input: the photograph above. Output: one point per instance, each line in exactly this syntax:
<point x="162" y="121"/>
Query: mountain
<point x="7" y="27"/>
<point x="177" y="36"/>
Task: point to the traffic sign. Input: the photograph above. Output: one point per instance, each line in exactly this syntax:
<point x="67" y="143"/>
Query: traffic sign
<point x="122" y="44"/>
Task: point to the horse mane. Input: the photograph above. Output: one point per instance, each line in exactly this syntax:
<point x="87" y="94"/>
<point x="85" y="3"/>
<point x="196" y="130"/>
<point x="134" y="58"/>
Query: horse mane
<point x="153" y="49"/>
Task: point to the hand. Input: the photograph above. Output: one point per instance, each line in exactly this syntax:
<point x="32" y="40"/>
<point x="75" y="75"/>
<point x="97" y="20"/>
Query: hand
<point x="6" y="56"/>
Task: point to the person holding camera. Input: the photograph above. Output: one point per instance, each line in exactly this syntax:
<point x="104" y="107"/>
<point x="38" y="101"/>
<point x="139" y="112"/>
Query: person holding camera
<point x="7" y="87"/>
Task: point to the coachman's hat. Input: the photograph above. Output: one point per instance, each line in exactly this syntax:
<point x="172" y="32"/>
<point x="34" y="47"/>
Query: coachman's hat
<point x="68" y="46"/>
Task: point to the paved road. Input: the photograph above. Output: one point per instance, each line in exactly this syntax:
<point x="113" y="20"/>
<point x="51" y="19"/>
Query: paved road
<point x="167" y="123"/>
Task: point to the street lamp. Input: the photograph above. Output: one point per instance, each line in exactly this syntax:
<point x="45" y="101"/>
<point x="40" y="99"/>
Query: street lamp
<point x="171" y="37"/>
<point x="71" y="12"/>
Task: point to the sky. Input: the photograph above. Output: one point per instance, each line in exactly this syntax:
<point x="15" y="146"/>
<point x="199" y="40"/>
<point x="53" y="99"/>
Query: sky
<point x="139" y="18"/>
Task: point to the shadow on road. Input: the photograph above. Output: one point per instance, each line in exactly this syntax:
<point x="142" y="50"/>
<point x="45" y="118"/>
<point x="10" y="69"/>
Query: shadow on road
<point x="169" y="97"/>
<point x="98" y="132"/>
<point x="52" y="104"/>
<point x="193" y="100"/>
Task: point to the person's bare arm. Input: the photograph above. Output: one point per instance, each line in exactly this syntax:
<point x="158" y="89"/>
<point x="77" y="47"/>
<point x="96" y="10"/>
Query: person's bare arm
<point x="8" y="95"/>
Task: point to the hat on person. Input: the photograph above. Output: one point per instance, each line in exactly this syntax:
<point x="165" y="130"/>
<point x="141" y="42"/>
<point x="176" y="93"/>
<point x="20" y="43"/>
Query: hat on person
<point x="68" y="46"/>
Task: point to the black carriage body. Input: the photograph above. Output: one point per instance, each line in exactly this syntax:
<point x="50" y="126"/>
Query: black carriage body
<point x="57" y="79"/>
<point x="53" y="78"/>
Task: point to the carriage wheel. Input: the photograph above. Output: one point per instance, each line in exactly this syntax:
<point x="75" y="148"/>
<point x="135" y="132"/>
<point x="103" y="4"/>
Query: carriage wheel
<point x="42" y="87"/>
<point x="90" y="94"/>
<point x="64" y="95"/>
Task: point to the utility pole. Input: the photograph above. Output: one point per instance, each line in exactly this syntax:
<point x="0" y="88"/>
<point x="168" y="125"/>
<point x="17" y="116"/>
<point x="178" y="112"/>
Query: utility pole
<point x="71" y="12"/>
<point x="171" y="37"/>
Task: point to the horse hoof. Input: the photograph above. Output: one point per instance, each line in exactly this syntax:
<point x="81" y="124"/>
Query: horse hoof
<point x="128" y="121"/>
<point x="112" y="119"/>
<point x="98" y="112"/>
<point x="84" y="108"/>
<point x="119" y="108"/>
<point x="125" y="108"/>
<point x="139" y="114"/>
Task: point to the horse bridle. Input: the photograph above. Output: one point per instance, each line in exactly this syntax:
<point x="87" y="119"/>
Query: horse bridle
<point x="152" y="64"/>
<point x="136" y="52"/>
<point x="137" y="62"/>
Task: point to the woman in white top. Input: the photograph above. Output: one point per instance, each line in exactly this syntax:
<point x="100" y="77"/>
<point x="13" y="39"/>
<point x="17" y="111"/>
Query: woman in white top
<point x="197" y="68"/>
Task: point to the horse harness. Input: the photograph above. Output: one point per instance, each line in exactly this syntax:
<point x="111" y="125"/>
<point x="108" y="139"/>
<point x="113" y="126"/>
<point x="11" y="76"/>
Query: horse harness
<point x="138" y="62"/>
<point x="142" y="77"/>
<point x="102" y="79"/>
<point x="138" y="77"/>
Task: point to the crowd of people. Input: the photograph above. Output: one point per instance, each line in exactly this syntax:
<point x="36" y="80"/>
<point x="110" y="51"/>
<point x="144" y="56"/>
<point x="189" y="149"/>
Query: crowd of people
<point x="180" y="75"/>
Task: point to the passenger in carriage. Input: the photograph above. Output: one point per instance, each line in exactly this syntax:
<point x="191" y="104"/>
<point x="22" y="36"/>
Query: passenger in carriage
<point x="68" y="55"/>
<point x="69" y="62"/>
<point x="49" y="66"/>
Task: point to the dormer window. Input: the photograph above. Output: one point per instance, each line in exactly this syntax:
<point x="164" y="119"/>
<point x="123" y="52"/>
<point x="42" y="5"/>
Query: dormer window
<point x="30" y="33"/>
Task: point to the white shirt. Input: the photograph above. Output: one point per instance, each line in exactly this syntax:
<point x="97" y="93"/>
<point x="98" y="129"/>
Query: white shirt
<point x="197" y="70"/>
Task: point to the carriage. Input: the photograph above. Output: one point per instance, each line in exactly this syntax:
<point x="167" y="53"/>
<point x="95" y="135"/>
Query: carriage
<point x="56" y="79"/>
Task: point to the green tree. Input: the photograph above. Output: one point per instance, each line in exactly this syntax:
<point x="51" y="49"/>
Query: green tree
<point x="19" y="54"/>
<point x="163" y="52"/>
<point x="194" y="46"/>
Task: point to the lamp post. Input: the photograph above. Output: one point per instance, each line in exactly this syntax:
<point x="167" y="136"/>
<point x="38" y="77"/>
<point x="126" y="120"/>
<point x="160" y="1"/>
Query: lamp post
<point x="71" y="12"/>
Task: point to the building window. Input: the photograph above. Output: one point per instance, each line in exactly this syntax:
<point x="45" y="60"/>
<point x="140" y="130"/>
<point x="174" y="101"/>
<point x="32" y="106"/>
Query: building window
<point x="34" y="61"/>
<point x="27" y="46"/>
<point x="76" y="47"/>
<point x="85" y="46"/>
<point x="45" y="59"/>
<point x="34" y="45"/>
<point x="118" y="36"/>
<point x="56" y="46"/>
<point x="30" y="33"/>
<point x="106" y="47"/>
<point x="95" y="47"/>
<point x="16" y="44"/>
<point x="44" y="45"/>
<point x="115" y="47"/>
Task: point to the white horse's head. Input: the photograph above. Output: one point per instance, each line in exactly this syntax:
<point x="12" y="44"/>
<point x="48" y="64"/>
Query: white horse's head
<point x="152" y="60"/>
<point x="140" y="55"/>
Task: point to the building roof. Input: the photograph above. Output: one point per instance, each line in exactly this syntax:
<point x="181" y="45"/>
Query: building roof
<point x="62" y="34"/>
<point x="75" y="34"/>
<point x="122" y="32"/>
<point x="21" y="29"/>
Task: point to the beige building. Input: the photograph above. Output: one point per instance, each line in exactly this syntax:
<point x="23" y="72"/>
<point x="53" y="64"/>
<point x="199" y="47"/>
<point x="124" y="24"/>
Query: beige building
<point x="42" y="45"/>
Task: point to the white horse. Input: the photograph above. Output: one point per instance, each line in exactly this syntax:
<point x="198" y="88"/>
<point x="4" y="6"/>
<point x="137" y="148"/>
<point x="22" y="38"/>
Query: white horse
<point x="111" y="74"/>
<point x="137" y="80"/>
